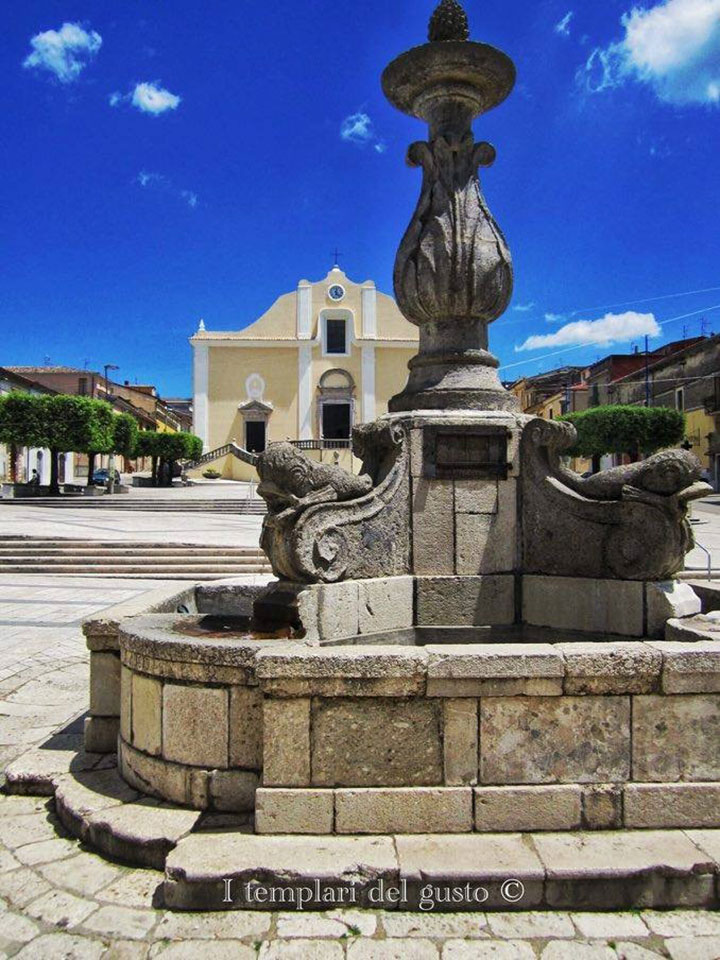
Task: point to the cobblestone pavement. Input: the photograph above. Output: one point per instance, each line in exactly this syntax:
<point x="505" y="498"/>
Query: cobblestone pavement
<point x="60" y="900"/>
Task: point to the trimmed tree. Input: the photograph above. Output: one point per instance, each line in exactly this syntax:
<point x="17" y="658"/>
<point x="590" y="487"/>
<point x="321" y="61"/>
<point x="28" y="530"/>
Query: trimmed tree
<point x="78" y="424"/>
<point x="194" y="447"/>
<point x="147" y="446"/>
<point x="172" y="447"/>
<point x="125" y="435"/>
<point x="23" y="423"/>
<point x="166" y="449"/>
<point x="122" y="427"/>
<point x="622" y="428"/>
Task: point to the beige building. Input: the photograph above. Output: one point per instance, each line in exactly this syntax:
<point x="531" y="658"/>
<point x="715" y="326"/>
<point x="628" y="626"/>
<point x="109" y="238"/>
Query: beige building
<point x="321" y="359"/>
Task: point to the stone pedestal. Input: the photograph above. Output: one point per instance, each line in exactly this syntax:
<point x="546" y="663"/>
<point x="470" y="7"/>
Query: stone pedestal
<point x="464" y="471"/>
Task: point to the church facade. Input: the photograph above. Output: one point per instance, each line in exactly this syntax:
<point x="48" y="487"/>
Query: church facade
<point x="323" y="358"/>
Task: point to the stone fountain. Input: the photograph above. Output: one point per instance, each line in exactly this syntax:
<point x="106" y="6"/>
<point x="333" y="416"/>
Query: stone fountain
<point x="466" y="639"/>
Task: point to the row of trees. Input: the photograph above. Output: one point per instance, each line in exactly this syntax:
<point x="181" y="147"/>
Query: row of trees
<point x="64" y="423"/>
<point x="166" y="449"/>
<point x="632" y="430"/>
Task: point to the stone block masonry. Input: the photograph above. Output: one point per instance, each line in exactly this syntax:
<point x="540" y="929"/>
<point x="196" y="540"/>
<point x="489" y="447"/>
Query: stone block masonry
<point x="465" y="601"/>
<point x="394" y="738"/>
<point x="583" y="604"/>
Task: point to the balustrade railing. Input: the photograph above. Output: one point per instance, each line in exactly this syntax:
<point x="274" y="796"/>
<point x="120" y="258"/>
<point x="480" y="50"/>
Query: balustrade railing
<point x="321" y="444"/>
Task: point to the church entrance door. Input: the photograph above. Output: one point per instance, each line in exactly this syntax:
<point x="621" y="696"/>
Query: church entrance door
<point x="336" y="421"/>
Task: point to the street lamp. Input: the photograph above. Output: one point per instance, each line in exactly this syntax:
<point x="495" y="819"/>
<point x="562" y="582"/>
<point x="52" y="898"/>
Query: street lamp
<point x="111" y="458"/>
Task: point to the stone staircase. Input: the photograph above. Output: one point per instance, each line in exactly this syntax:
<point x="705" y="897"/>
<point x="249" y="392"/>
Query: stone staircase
<point x="128" y="559"/>
<point x="240" y="506"/>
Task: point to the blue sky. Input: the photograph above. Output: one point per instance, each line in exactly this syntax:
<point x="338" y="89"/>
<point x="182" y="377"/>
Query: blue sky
<point x="165" y="161"/>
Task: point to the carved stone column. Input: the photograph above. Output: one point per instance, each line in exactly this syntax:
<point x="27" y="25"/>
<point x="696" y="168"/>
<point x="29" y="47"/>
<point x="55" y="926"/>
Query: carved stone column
<point x="453" y="272"/>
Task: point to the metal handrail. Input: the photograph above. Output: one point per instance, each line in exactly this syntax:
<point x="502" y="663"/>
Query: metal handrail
<point x="709" y="558"/>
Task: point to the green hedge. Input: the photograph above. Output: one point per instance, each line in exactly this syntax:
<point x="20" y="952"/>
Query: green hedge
<point x="622" y="428"/>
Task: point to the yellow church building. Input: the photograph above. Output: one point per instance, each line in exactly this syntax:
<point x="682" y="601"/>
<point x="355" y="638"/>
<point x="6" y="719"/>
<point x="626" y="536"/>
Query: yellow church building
<point x="323" y="358"/>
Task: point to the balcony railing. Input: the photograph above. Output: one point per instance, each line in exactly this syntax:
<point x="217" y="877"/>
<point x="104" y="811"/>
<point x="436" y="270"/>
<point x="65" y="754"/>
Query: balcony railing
<point x="321" y="444"/>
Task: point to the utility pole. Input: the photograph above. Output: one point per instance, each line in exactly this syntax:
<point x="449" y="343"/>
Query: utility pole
<point x="647" y="374"/>
<point x="111" y="458"/>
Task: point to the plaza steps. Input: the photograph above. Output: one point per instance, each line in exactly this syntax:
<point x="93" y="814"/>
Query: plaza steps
<point x="131" y="559"/>
<point x="239" y="507"/>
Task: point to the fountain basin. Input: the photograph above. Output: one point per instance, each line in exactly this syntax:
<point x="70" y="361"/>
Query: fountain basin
<point x="422" y="729"/>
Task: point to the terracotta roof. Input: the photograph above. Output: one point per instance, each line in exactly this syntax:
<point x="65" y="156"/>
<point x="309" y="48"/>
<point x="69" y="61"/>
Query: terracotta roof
<point x="23" y="370"/>
<point x="11" y="374"/>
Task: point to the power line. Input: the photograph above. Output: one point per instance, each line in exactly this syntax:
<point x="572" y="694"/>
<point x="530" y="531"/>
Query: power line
<point x="627" y="303"/>
<point x="623" y="303"/>
<point x="593" y="343"/>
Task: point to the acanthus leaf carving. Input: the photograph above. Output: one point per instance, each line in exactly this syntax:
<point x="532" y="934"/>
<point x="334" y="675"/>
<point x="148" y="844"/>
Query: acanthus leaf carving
<point x="453" y="262"/>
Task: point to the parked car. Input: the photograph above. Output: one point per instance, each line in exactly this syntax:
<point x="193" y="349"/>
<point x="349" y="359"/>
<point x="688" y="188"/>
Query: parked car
<point x="100" y="477"/>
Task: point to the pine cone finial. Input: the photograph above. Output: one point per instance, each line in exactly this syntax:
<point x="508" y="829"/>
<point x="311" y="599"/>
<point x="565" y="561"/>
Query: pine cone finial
<point x="448" y="22"/>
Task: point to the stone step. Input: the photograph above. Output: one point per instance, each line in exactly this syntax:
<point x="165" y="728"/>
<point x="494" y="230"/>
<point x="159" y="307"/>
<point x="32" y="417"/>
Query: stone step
<point x="583" y="871"/>
<point x="194" y="576"/>
<point x="125" y="503"/>
<point x="150" y="570"/>
<point x="215" y="863"/>
<point x="37" y="551"/>
<point x="119" y="558"/>
<point x="101" y="556"/>
<point x="18" y="543"/>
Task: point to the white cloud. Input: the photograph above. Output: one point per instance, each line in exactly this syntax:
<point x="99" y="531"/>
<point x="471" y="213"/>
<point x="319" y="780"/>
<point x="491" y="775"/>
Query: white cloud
<point x="524" y="307"/>
<point x="674" y="47"/>
<point x="64" y="52"/>
<point x="554" y="317"/>
<point x="358" y="128"/>
<point x="115" y="98"/>
<point x="150" y="180"/>
<point x="612" y="328"/>
<point x="150" y="98"/>
<point x="147" y="179"/>
<point x="563" y="27"/>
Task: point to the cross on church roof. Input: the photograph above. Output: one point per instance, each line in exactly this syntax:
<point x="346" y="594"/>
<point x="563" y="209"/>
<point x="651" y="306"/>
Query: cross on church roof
<point x="336" y="258"/>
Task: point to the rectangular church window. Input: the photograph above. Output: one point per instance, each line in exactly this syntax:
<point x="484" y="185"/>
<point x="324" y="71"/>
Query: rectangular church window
<point x="335" y="336"/>
<point x="255" y="436"/>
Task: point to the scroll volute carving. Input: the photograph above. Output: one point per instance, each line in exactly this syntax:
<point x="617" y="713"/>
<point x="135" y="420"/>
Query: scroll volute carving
<point x="453" y="262"/>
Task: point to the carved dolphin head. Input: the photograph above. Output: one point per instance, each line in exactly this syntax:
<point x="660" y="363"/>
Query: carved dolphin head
<point x="669" y="472"/>
<point x="284" y="469"/>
